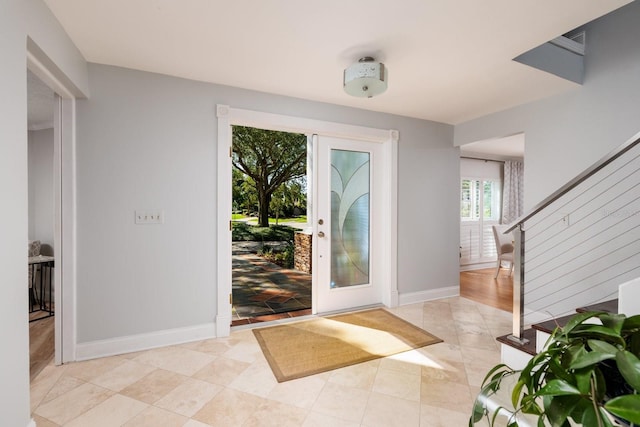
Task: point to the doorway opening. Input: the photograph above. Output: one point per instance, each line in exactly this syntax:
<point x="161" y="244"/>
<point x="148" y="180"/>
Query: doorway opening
<point x="491" y="193"/>
<point x="271" y="242"/>
<point x="42" y="257"/>
<point x="62" y="189"/>
<point x="321" y="134"/>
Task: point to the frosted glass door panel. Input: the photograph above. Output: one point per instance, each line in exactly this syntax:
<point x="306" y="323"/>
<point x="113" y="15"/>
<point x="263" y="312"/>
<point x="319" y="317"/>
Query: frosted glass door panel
<point x="346" y="221"/>
<point x="350" y="218"/>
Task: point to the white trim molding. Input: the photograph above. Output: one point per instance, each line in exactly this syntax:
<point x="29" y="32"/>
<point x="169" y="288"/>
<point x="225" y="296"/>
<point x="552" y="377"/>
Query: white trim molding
<point x="223" y="317"/>
<point x="391" y="195"/>
<point x="430" y="295"/>
<point x="280" y="122"/>
<point x="66" y="326"/>
<point x="139" y="342"/>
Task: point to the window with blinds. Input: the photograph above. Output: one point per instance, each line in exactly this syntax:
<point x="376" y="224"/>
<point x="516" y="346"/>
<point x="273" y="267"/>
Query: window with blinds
<point x="479" y="210"/>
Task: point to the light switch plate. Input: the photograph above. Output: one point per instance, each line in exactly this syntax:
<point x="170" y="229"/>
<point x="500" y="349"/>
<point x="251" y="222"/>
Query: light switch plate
<point x="149" y="216"/>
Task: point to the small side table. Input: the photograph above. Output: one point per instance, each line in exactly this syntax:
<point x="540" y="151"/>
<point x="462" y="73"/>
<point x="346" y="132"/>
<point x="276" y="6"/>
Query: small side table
<point x="46" y="264"/>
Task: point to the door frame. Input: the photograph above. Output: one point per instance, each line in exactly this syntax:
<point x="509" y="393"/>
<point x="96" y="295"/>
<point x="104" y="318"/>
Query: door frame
<point x="64" y="201"/>
<point x="388" y="138"/>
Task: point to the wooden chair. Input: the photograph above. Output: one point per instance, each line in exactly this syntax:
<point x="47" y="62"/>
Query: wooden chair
<point x="504" y="247"/>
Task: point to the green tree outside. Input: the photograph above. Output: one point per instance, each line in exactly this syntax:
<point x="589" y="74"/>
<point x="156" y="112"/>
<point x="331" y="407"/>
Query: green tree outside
<point x="271" y="161"/>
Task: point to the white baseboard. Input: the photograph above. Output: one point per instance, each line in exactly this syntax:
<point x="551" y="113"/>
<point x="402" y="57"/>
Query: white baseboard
<point x="479" y="266"/>
<point x="393" y="299"/>
<point x="32" y="423"/>
<point x="223" y="325"/>
<point x="430" y="295"/>
<point x="139" y="342"/>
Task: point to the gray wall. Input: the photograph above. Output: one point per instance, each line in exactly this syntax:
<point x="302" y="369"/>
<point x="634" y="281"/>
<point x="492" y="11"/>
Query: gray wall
<point x="41" y="188"/>
<point x="148" y="141"/>
<point x="20" y="19"/>
<point x="567" y="133"/>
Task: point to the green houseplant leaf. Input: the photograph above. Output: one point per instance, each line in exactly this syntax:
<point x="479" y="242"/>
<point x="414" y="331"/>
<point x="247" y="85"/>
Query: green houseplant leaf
<point x="630" y="329"/>
<point x="558" y="388"/>
<point x="590" y="358"/>
<point x="613" y="321"/>
<point x="629" y="367"/>
<point x="583" y="379"/>
<point x="599" y="387"/>
<point x="602" y="347"/>
<point x="558" y="409"/>
<point x="631" y="323"/>
<point x="599" y="332"/>
<point x="490" y="384"/>
<point x="567" y="383"/>
<point x="516" y="393"/>
<point x="478" y="412"/>
<point x="579" y="319"/>
<point x="627" y="407"/>
<point x="595" y="416"/>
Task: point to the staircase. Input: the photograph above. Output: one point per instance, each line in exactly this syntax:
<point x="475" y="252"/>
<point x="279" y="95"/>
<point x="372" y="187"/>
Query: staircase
<point x="577" y="246"/>
<point x="517" y="355"/>
<point x="580" y="247"/>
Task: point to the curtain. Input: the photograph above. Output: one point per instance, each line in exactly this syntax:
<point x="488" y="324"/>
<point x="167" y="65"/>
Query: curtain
<point x="512" y="191"/>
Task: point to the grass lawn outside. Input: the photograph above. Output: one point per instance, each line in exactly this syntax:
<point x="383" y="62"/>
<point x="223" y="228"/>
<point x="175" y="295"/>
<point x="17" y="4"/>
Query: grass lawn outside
<point x="238" y="217"/>
<point x="241" y="231"/>
<point x="302" y="219"/>
<point x="298" y="220"/>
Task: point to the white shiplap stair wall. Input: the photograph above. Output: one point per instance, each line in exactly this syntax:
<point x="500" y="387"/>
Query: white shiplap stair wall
<point x="584" y="262"/>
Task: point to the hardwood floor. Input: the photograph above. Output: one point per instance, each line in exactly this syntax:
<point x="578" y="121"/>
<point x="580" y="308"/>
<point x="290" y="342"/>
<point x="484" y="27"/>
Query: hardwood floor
<point x="41" y="343"/>
<point x="480" y="286"/>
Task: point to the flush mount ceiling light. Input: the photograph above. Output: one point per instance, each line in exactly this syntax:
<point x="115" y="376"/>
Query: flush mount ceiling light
<point x="365" y="78"/>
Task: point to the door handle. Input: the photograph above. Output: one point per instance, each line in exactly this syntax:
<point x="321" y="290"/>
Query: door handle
<point x="320" y="233"/>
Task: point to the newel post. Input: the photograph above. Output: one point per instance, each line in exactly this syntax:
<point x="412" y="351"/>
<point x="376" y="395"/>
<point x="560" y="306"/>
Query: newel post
<point x="518" y="286"/>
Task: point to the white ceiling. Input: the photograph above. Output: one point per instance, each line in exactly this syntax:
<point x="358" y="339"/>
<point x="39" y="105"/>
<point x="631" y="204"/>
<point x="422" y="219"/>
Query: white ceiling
<point x="448" y="60"/>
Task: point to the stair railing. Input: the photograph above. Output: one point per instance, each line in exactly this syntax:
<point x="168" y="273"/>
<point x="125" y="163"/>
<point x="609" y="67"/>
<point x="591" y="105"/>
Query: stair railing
<point x="518" y="228"/>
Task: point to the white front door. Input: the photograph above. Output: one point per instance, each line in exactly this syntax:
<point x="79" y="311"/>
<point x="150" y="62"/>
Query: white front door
<point x="347" y="260"/>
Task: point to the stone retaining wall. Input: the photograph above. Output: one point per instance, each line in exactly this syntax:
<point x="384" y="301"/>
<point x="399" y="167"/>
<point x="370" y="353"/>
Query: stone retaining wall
<point x="302" y="251"/>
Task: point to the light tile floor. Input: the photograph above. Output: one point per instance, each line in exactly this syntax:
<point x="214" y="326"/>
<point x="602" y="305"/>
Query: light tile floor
<point x="227" y="381"/>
